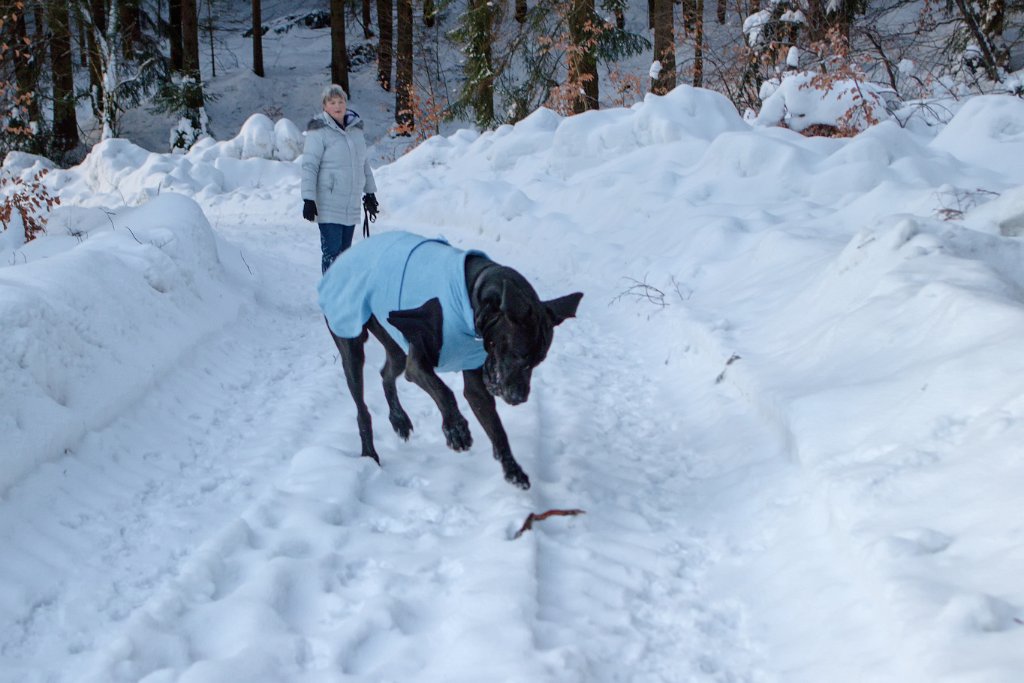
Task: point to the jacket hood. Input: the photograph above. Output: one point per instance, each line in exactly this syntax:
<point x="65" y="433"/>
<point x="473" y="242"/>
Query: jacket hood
<point x="324" y="120"/>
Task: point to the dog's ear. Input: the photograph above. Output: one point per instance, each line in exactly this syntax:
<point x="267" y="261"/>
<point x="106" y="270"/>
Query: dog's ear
<point x="563" y="307"/>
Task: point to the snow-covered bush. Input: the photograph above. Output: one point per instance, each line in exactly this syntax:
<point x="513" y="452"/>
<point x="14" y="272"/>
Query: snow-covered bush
<point x="288" y="140"/>
<point x="256" y="137"/>
<point x="844" y="106"/>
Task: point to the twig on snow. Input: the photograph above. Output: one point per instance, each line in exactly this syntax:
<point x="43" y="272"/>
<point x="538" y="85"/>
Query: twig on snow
<point x="534" y="517"/>
<point x="732" y="359"/>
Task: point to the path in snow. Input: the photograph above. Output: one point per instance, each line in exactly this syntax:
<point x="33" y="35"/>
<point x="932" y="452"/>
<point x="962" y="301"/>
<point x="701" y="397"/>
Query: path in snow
<point x="225" y="529"/>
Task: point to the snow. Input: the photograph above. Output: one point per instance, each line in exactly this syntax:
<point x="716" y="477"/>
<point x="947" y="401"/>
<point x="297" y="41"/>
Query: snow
<point x="791" y="408"/>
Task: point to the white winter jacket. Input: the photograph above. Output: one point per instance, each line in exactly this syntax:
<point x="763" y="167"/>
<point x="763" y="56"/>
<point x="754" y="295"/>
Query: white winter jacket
<point x="335" y="171"/>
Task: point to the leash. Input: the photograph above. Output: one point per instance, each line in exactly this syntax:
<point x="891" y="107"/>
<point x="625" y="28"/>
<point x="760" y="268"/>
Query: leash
<point x="367" y="219"/>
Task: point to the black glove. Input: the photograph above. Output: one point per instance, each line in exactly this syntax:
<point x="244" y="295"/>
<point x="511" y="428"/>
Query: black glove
<point x="309" y="209"/>
<point x="371" y="205"/>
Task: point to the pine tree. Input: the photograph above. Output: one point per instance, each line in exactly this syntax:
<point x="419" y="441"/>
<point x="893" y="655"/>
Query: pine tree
<point x="475" y="33"/>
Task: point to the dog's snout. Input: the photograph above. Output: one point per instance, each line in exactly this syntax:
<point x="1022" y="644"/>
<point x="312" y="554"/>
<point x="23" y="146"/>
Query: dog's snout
<point x="516" y="395"/>
<point x="511" y="387"/>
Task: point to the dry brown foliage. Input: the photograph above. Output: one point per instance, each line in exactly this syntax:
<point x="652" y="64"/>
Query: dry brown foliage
<point x="30" y="200"/>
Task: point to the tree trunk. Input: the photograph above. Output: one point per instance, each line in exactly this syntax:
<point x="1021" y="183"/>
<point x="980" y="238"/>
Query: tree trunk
<point x="257" y="38"/>
<point x="190" y="51"/>
<point x="993" y="22"/>
<point x="974" y="27"/>
<point x="26" y="73"/>
<point x="430" y="12"/>
<point x="816" y="27"/>
<point x="339" y="52"/>
<point x="698" y="46"/>
<point x="385" y="42"/>
<point x="110" y="51"/>
<point x="367" y="20"/>
<point x="652" y="10"/>
<point x="689" y="16"/>
<point x="131" y="26"/>
<point x="521" y="10"/>
<point x="664" y="47"/>
<point x="65" y="121"/>
<point x="582" y="61"/>
<point x="174" y="35"/>
<point x="405" y="115"/>
<point x="209" y="33"/>
<point x="98" y="13"/>
<point x="83" y="43"/>
<point x="720" y="9"/>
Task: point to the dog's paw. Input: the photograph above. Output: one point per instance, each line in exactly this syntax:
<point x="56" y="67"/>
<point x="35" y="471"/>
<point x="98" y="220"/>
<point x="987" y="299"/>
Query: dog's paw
<point x="372" y="454"/>
<point x="401" y="424"/>
<point x="456" y="433"/>
<point x="517" y="478"/>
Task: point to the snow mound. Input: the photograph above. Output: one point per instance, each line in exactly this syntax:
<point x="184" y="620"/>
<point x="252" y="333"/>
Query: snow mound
<point x="988" y="131"/>
<point x="81" y="338"/>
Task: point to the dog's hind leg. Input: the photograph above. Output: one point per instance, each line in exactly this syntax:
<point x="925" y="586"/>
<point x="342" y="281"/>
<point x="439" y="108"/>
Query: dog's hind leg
<point x="393" y="367"/>
<point x="482" y="403"/>
<point x="353" y="357"/>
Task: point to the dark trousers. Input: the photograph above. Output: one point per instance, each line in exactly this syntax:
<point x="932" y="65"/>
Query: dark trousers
<point x="334" y="239"/>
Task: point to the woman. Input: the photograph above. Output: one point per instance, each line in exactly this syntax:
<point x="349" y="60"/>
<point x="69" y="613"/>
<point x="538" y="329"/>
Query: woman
<point x="335" y="172"/>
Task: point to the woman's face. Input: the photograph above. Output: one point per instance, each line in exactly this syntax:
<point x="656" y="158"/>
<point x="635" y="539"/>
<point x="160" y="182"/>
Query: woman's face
<point x="335" y="107"/>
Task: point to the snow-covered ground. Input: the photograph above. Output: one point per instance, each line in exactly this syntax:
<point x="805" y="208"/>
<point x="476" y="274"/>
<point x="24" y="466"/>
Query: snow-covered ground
<point x="791" y="406"/>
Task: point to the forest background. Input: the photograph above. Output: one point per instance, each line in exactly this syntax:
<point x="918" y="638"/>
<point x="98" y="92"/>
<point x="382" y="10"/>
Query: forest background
<point x="73" y="71"/>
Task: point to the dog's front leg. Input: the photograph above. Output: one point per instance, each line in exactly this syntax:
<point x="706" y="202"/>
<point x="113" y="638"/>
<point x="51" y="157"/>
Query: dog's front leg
<point x="353" y="357"/>
<point x="482" y="403"/>
<point x="453" y="424"/>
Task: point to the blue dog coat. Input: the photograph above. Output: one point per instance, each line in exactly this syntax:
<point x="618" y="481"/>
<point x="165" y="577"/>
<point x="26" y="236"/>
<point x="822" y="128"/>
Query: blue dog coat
<point x="397" y="271"/>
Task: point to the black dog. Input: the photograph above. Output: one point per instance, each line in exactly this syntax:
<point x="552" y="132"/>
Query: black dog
<point x="496" y="344"/>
